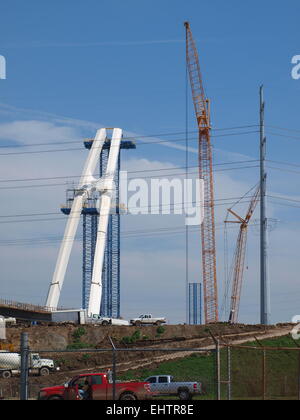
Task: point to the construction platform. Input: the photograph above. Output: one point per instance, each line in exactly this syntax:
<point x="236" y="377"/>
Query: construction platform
<point x="24" y="311"/>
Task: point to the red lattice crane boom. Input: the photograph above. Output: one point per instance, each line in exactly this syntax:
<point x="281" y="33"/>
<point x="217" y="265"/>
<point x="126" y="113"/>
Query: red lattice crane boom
<point x="239" y="257"/>
<point x="202" y="110"/>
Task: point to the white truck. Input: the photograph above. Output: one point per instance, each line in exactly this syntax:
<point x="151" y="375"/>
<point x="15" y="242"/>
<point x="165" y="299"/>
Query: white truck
<point x="147" y="320"/>
<point x="97" y="319"/>
<point x="10" y="364"/>
<point x="164" y="385"/>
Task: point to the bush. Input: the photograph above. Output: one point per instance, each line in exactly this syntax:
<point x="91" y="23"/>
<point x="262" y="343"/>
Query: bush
<point x="160" y="330"/>
<point x="78" y="345"/>
<point x="133" y="338"/>
<point x="136" y="335"/>
<point x="127" y="340"/>
<point x="86" y="357"/>
<point x="77" y="334"/>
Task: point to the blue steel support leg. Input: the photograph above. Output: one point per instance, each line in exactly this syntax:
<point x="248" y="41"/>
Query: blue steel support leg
<point x="110" y="304"/>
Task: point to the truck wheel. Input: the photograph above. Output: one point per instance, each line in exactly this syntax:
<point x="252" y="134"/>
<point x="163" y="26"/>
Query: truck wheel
<point x="158" y="323"/>
<point x="105" y="323"/>
<point x="44" y="371"/>
<point x="184" y="395"/>
<point x="55" y="398"/>
<point x="6" y="374"/>
<point x="137" y="324"/>
<point x="127" y="396"/>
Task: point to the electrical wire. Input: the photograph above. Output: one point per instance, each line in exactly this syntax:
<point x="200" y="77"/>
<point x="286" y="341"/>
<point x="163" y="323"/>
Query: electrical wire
<point x="128" y="172"/>
<point x="129" y="179"/>
<point x="127" y="137"/>
<point x="140" y="144"/>
<point x="160" y="206"/>
<point x="125" y="235"/>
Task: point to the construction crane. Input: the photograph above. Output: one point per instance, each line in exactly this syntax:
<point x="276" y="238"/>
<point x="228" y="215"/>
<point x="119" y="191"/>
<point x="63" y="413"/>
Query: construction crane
<point x="239" y="257"/>
<point x="202" y="109"/>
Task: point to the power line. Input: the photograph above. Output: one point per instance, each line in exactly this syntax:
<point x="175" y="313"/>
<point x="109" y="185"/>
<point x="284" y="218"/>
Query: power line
<point x="283" y="129"/>
<point x="125" y="235"/>
<point x="284" y="170"/>
<point x="156" y="208"/>
<point x="126" y="138"/>
<point x="140" y="144"/>
<point x="283" y="135"/>
<point x="284" y="163"/>
<point x="284" y="198"/>
<point x="128" y="172"/>
<point x="129" y="179"/>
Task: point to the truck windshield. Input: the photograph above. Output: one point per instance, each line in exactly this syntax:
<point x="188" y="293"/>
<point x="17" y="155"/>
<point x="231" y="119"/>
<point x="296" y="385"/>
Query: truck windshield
<point x="35" y="357"/>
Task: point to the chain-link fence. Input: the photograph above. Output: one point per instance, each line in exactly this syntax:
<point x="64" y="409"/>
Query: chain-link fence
<point x="219" y="372"/>
<point x="112" y="374"/>
<point x="265" y="373"/>
<point x="129" y="373"/>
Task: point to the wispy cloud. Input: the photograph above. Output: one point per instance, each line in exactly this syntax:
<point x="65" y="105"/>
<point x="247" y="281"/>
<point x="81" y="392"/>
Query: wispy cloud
<point x="93" y="44"/>
<point x="88" y="125"/>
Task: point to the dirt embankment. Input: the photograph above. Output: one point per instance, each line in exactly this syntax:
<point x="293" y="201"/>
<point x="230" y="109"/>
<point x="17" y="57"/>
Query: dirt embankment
<point x="59" y="337"/>
<point x="51" y="341"/>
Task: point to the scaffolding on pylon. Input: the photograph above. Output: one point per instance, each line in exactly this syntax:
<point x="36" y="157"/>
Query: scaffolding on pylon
<point x="110" y="304"/>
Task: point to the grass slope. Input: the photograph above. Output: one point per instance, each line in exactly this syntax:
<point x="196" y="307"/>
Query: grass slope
<point x="282" y="371"/>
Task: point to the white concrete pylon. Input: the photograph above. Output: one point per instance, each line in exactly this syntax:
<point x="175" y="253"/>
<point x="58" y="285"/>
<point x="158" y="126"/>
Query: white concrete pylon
<point x="107" y="189"/>
<point x="87" y="179"/>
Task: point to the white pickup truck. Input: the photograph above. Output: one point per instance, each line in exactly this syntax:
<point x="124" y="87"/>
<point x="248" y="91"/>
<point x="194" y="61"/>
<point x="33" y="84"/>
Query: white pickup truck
<point x="102" y="320"/>
<point x="147" y="320"/>
<point x="164" y="385"/>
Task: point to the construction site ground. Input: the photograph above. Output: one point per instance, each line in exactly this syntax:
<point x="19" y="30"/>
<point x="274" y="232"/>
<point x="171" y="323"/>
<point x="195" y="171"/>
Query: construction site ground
<point x="52" y="342"/>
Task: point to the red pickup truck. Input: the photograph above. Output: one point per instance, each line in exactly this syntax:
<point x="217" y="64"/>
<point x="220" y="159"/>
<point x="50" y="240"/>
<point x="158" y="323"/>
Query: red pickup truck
<point x="96" y="386"/>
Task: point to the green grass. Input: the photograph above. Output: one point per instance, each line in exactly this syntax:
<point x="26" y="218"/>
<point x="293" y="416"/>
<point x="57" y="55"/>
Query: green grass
<point x="196" y="367"/>
<point x="282" y="371"/>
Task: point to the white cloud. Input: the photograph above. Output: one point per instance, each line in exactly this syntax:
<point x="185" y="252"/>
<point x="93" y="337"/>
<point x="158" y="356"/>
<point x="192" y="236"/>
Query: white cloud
<point x="153" y="274"/>
<point x="28" y="132"/>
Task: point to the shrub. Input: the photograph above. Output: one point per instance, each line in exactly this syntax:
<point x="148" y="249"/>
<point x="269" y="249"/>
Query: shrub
<point x="133" y="338"/>
<point x="78" y="345"/>
<point x="160" y="330"/>
<point x="136" y="335"/>
<point x="127" y="340"/>
<point x="77" y="334"/>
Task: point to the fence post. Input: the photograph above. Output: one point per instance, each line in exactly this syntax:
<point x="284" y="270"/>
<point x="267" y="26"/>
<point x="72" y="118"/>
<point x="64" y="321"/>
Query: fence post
<point x="229" y="387"/>
<point x="114" y="373"/>
<point x="299" y="376"/>
<point x="297" y="345"/>
<point x="114" y="367"/>
<point x="264" y="370"/>
<point x="24" y="367"/>
<point x="264" y="375"/>
<point x="218" y="365"/>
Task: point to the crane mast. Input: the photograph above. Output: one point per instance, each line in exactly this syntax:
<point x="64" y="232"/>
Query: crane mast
<point x="239" y="257"/>
<point x="202" y="110"/>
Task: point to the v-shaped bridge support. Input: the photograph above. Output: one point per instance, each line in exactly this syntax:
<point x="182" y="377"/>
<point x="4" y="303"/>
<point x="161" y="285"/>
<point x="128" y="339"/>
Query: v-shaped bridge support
<point x="89" y="183"/>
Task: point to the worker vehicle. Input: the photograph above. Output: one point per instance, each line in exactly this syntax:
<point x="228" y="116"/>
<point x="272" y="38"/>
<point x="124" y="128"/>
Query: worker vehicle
<point x="97" y="386"/>
<point x="164" y="385"/>
<point x="97" y="319"/>
<point x="10" y="364"/>
<point x="147" y="320"/>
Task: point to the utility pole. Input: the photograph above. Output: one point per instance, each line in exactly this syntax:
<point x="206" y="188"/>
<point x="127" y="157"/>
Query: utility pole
<point x="264" y="280"/>
<point x="24" y="367"/>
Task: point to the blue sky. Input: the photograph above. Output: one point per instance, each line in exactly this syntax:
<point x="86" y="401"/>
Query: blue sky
<point x="74" y="66"/>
